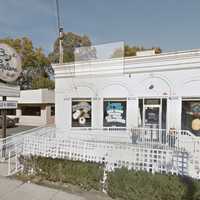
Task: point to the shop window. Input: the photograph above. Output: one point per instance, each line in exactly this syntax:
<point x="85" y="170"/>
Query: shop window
<point x="31" y="110"/>
<point x="191" y="116"/>
<point x="114" y="113"/>
<point x="11" y="111"/>
<point x="53" y="110"/>
<point x="81" y="113"/>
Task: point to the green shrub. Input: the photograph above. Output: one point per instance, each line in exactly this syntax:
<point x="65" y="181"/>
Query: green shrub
<point x="85" y="174"/>
<point x="196" y="192"/>
<point x="132" y="185"/>
<point x="121" y="184"/>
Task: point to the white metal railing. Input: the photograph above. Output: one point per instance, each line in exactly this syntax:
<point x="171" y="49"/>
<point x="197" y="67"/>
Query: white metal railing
<point x="153" y="150"/>
<point x="183" y="139"/>
<point x="11" y="148"/>
<point x="11" y="143"/>
<point x="113" y="155"/>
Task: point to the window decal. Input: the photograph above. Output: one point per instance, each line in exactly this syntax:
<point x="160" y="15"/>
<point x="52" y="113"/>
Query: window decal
<point x="114" y="113"/>
<point x="191" y="116"/>
<point x="81" y="113"/>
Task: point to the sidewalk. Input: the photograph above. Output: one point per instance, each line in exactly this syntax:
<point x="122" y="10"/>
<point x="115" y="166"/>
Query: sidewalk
<point x="17" y="190"/>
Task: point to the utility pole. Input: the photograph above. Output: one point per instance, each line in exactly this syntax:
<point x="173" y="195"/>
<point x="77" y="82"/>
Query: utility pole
<point x="60" y="45"/>
<point x="60" y="29"/>
<point x="4" y="119"/>
<point x="4" y="126"/>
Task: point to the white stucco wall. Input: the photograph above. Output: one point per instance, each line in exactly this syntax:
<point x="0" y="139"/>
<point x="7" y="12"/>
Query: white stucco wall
<point x="174" y="76"/>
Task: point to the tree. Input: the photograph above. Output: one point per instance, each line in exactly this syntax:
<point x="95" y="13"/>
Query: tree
<point x="34" y="62"/>
<point x="70" y="42"/>
<point x="43" y="82"/>
<point x="131" y="51"/>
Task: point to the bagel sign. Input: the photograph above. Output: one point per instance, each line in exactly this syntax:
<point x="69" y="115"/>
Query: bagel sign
<point x="10" y="64"/>
<point x="81" y="113"/>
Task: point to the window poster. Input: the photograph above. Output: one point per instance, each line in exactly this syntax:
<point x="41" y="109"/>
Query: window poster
<point x="81" y="113"/>
<point x="191" y="116"/>
<point x="114" y="113"/>
<point x="152" y="115"/>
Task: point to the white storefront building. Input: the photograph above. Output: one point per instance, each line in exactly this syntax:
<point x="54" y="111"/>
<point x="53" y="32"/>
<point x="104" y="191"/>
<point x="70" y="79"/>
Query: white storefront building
<point x="34" y="107"/>
<point x="149" y="90"/>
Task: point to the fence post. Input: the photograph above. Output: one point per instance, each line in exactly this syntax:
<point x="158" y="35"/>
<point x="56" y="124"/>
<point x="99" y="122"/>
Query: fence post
<point x="70" y="150"/>
<point x="9" y="168"/>
<point x="16" y="162"/>
<point x="104" y="181"/>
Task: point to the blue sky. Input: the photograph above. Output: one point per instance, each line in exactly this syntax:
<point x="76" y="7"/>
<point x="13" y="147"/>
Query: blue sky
<point x="170" y="24"/>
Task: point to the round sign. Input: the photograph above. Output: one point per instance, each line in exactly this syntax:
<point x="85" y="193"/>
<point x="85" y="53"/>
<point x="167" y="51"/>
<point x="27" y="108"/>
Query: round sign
<point x="10" y="63"/>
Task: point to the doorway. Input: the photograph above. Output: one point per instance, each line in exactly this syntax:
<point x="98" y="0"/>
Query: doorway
<point x="153" y="113"/>
<point x="152" y="116"/>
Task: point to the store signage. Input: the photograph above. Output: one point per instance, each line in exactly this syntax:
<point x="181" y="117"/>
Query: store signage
<point x="8" y="104"/>
<point x="195" y="108"/>
<point x="10" y="63"/>
<point x="81" y="113"/>
<point x="115" y="113"/>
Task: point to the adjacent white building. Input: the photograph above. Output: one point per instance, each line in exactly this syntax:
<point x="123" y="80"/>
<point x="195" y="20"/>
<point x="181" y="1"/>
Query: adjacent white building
<point x="149" y="90"/>
<point x="34" y="107"/>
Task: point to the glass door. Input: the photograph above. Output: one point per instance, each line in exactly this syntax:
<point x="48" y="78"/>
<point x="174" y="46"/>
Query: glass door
<point x="152" y="116"/>
<point x="152" y="113"/>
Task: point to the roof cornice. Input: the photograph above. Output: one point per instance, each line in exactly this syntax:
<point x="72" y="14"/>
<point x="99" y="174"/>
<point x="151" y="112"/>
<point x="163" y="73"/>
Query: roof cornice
<point x="182" y="60"/>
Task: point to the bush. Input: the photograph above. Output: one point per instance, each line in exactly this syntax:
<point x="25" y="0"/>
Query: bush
<point x="132" y="185"/>
<point x="85" y="174"/>
<point x="121" y="184"/>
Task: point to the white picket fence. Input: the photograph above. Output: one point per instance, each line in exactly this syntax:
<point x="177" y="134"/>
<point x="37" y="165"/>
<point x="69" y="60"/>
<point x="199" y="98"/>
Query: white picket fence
<point x="113" y="155"/>
<point x="11" y="143"/>
<point x="11" y="148"/>
<point x="152" y="150"/>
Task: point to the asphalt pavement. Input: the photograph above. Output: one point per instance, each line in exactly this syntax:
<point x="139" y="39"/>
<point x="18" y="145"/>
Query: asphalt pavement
<point x="17" y="129"/>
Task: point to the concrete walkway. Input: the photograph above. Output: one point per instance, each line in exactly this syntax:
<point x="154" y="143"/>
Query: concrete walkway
<point x="16" y="190"/>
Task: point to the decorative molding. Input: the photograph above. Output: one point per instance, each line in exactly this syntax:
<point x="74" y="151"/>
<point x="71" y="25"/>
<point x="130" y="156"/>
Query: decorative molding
<point x="185" y="60"/>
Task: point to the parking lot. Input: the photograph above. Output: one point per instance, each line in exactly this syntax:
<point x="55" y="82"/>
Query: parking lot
<point x="17" y="129"/>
